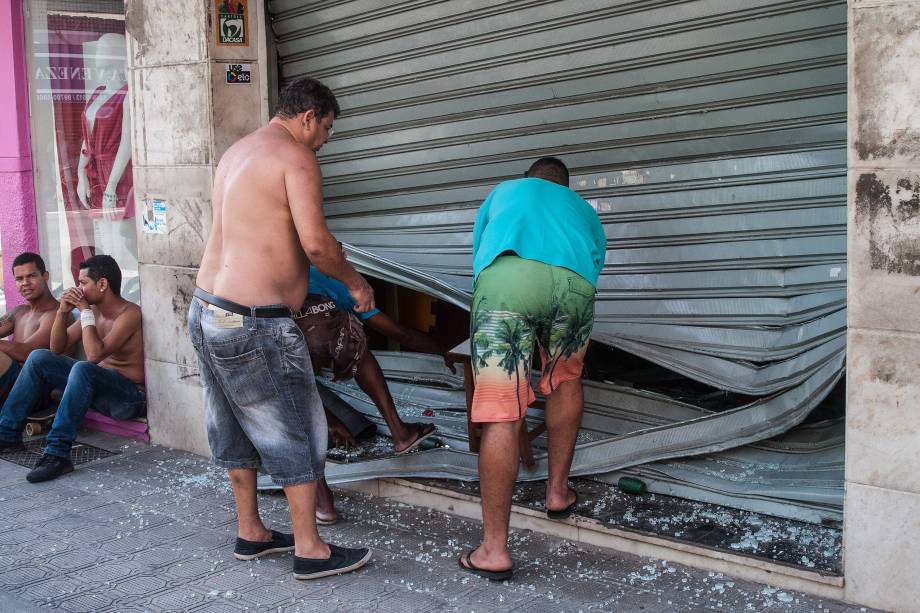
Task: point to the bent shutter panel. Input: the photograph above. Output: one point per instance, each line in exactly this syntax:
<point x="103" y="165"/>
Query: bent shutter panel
<point x="709" y="135"/>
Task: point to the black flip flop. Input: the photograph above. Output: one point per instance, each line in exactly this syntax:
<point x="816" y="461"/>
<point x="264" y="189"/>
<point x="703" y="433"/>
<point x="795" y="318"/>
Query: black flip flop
<point x="491" y="575"/>
<point x="419" y="441"/>
<point x="563" y="513"/>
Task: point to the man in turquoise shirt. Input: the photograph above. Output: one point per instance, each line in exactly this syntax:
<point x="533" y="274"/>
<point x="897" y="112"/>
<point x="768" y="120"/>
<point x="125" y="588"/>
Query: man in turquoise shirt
<point x="538" y="249"/>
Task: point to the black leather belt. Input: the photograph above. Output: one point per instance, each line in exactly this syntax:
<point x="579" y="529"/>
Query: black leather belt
<point x="240" y="309"/>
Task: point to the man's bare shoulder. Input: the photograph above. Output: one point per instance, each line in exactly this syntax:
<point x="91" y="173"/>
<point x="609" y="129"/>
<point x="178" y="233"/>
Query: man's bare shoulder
<point x="272" y="146"/>
<point x="131" y="310"/>
<point x="130" y="313"/>
<point x="12" y="316"/>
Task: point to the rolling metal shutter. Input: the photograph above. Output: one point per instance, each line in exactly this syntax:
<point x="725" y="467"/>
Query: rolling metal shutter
<point x="709" y="135"/>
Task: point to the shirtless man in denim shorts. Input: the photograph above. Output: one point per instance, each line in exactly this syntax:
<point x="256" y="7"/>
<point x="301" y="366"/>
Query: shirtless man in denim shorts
<point x="262" y="407"/>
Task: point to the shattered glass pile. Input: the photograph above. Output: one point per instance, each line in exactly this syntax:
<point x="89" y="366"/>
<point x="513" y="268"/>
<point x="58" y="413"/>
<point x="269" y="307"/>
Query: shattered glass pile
<point x="798" y="476"/>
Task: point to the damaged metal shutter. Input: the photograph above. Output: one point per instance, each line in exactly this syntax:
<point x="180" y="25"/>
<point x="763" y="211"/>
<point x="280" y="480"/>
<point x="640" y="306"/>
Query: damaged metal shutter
<point x="709" y="135"/>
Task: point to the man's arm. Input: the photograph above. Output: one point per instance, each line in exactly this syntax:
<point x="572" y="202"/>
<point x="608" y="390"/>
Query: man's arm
<point x="64" y="334"/>
<point x="303" y="183"/>
<point x="410" y="338"/>
<point x="40" y="339"/>
<point x="8" y="322"/>
<point x="98" y="348"/>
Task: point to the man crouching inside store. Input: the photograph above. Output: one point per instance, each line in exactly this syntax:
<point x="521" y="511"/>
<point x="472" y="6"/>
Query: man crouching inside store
<point x="110" y="380"/>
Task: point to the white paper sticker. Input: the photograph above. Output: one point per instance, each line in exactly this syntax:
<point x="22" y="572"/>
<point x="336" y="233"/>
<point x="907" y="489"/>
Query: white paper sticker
<point x="154" y="216"/>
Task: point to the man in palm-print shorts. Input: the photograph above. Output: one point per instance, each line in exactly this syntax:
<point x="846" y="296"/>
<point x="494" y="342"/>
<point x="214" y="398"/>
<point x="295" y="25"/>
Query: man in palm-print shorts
<point x="538" y="249"/>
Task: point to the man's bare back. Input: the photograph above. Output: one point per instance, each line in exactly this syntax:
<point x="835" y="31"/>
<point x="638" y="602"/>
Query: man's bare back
<point x="268" y="222"/>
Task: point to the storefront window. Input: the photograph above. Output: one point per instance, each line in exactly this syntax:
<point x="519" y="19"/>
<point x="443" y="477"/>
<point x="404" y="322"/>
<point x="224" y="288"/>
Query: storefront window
<point x="81" y="137"/>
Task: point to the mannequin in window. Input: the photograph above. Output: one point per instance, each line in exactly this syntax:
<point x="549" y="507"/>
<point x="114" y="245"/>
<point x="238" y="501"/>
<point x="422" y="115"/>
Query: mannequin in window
<point x="104" y="178"/>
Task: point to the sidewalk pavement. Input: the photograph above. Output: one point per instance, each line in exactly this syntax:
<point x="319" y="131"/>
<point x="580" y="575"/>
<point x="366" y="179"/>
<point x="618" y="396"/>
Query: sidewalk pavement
<point x="152" y="529"/>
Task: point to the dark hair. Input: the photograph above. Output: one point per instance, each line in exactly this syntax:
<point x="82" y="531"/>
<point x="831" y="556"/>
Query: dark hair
<point x="303" y="94"/>
<point x="27" y="257"/>
<point x="103" y="267"/>
<point x="551" y="169"/>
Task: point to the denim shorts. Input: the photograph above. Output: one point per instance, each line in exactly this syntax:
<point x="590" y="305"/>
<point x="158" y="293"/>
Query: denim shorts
<point x="261" y="403"/>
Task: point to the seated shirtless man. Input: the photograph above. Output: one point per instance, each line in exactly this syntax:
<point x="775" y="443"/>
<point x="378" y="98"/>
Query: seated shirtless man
<point x="30" y="325"/>
<point x="110" y="380"/>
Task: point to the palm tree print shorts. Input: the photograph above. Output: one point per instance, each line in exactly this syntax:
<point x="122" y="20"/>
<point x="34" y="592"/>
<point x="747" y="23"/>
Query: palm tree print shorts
<point x="520" y="306"/>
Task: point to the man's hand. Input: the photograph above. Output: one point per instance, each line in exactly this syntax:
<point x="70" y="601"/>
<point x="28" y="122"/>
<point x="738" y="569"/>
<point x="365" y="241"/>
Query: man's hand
<point x="74" y="298"/>
<point x="449" y="361"/>
<point x="341" y="437"/>
<point x="363" y="295"/>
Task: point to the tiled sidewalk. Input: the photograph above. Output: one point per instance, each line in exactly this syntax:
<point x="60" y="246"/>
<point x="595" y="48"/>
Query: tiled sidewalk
<point x="152" y="529"/>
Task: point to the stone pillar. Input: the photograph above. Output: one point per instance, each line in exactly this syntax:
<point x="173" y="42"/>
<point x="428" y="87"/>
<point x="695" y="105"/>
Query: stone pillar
<point x="184" y="116"/>
<point x="882" y="505"/>
<point x="17" y="192"/>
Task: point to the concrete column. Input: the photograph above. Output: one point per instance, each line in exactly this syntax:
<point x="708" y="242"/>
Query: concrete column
<point x="184" y="116"/>
<point x="18" y="227"/>
<point x="882" y="505"/>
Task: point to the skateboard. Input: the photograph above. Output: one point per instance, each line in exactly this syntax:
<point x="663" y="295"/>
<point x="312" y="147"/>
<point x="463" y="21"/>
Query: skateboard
<point x="40" y="422"/>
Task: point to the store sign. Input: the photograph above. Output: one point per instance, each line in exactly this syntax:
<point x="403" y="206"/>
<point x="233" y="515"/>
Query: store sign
<point x="232" y="19"/>
<point x="239" y="73"/>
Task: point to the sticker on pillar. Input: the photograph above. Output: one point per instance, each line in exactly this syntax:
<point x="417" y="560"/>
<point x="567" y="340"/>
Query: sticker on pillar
<point x="239" y="73"/>
<point x="232" y="20"/>
<point x="154" y="216"/>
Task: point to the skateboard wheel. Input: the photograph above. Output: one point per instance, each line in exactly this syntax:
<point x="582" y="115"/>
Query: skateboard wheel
<point x="33" y="429"/>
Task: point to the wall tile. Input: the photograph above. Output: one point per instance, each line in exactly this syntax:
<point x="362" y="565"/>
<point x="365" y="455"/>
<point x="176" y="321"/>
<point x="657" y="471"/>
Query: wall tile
<point x="166" y="292"/>
<point x="172" y="115"/>
<point x="884" y="250"/>
<point x="175" y="407"/>
<point x="882" y="559"/>
<point x="882" y="440"/>
<point x="237" y="107"/>
<point x="170" y="32"/>
<point x="884" y="114"/>
<point x="187" y="192"/>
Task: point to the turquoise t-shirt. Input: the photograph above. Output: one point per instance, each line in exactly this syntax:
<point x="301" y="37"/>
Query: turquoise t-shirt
<point x="337" y="292"/>
<point x="539" y="220"/>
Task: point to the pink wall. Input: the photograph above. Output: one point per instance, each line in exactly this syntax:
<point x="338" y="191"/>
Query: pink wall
<point x="18" y="227"/>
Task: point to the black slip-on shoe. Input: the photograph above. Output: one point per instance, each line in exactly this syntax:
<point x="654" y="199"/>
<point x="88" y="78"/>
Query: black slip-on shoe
<point x="340" y="560"/>
<point x="250" y="550"/>
<point x="49" y="467"/>
<point x="11" y="446"/>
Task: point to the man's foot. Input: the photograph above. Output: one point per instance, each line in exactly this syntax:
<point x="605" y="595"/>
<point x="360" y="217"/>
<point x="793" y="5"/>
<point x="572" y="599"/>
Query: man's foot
<point x="250" y="550"/>
<point x="11" y="446"/>
<point x="561" y="513"/>
<point x="340" y="560"/>
<point x="325" y="505"/>
<point x="49" y="467"/>
<point x="416" y="433"/>
<point x="326" y="520"/>
<point x="466" y="563"/>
